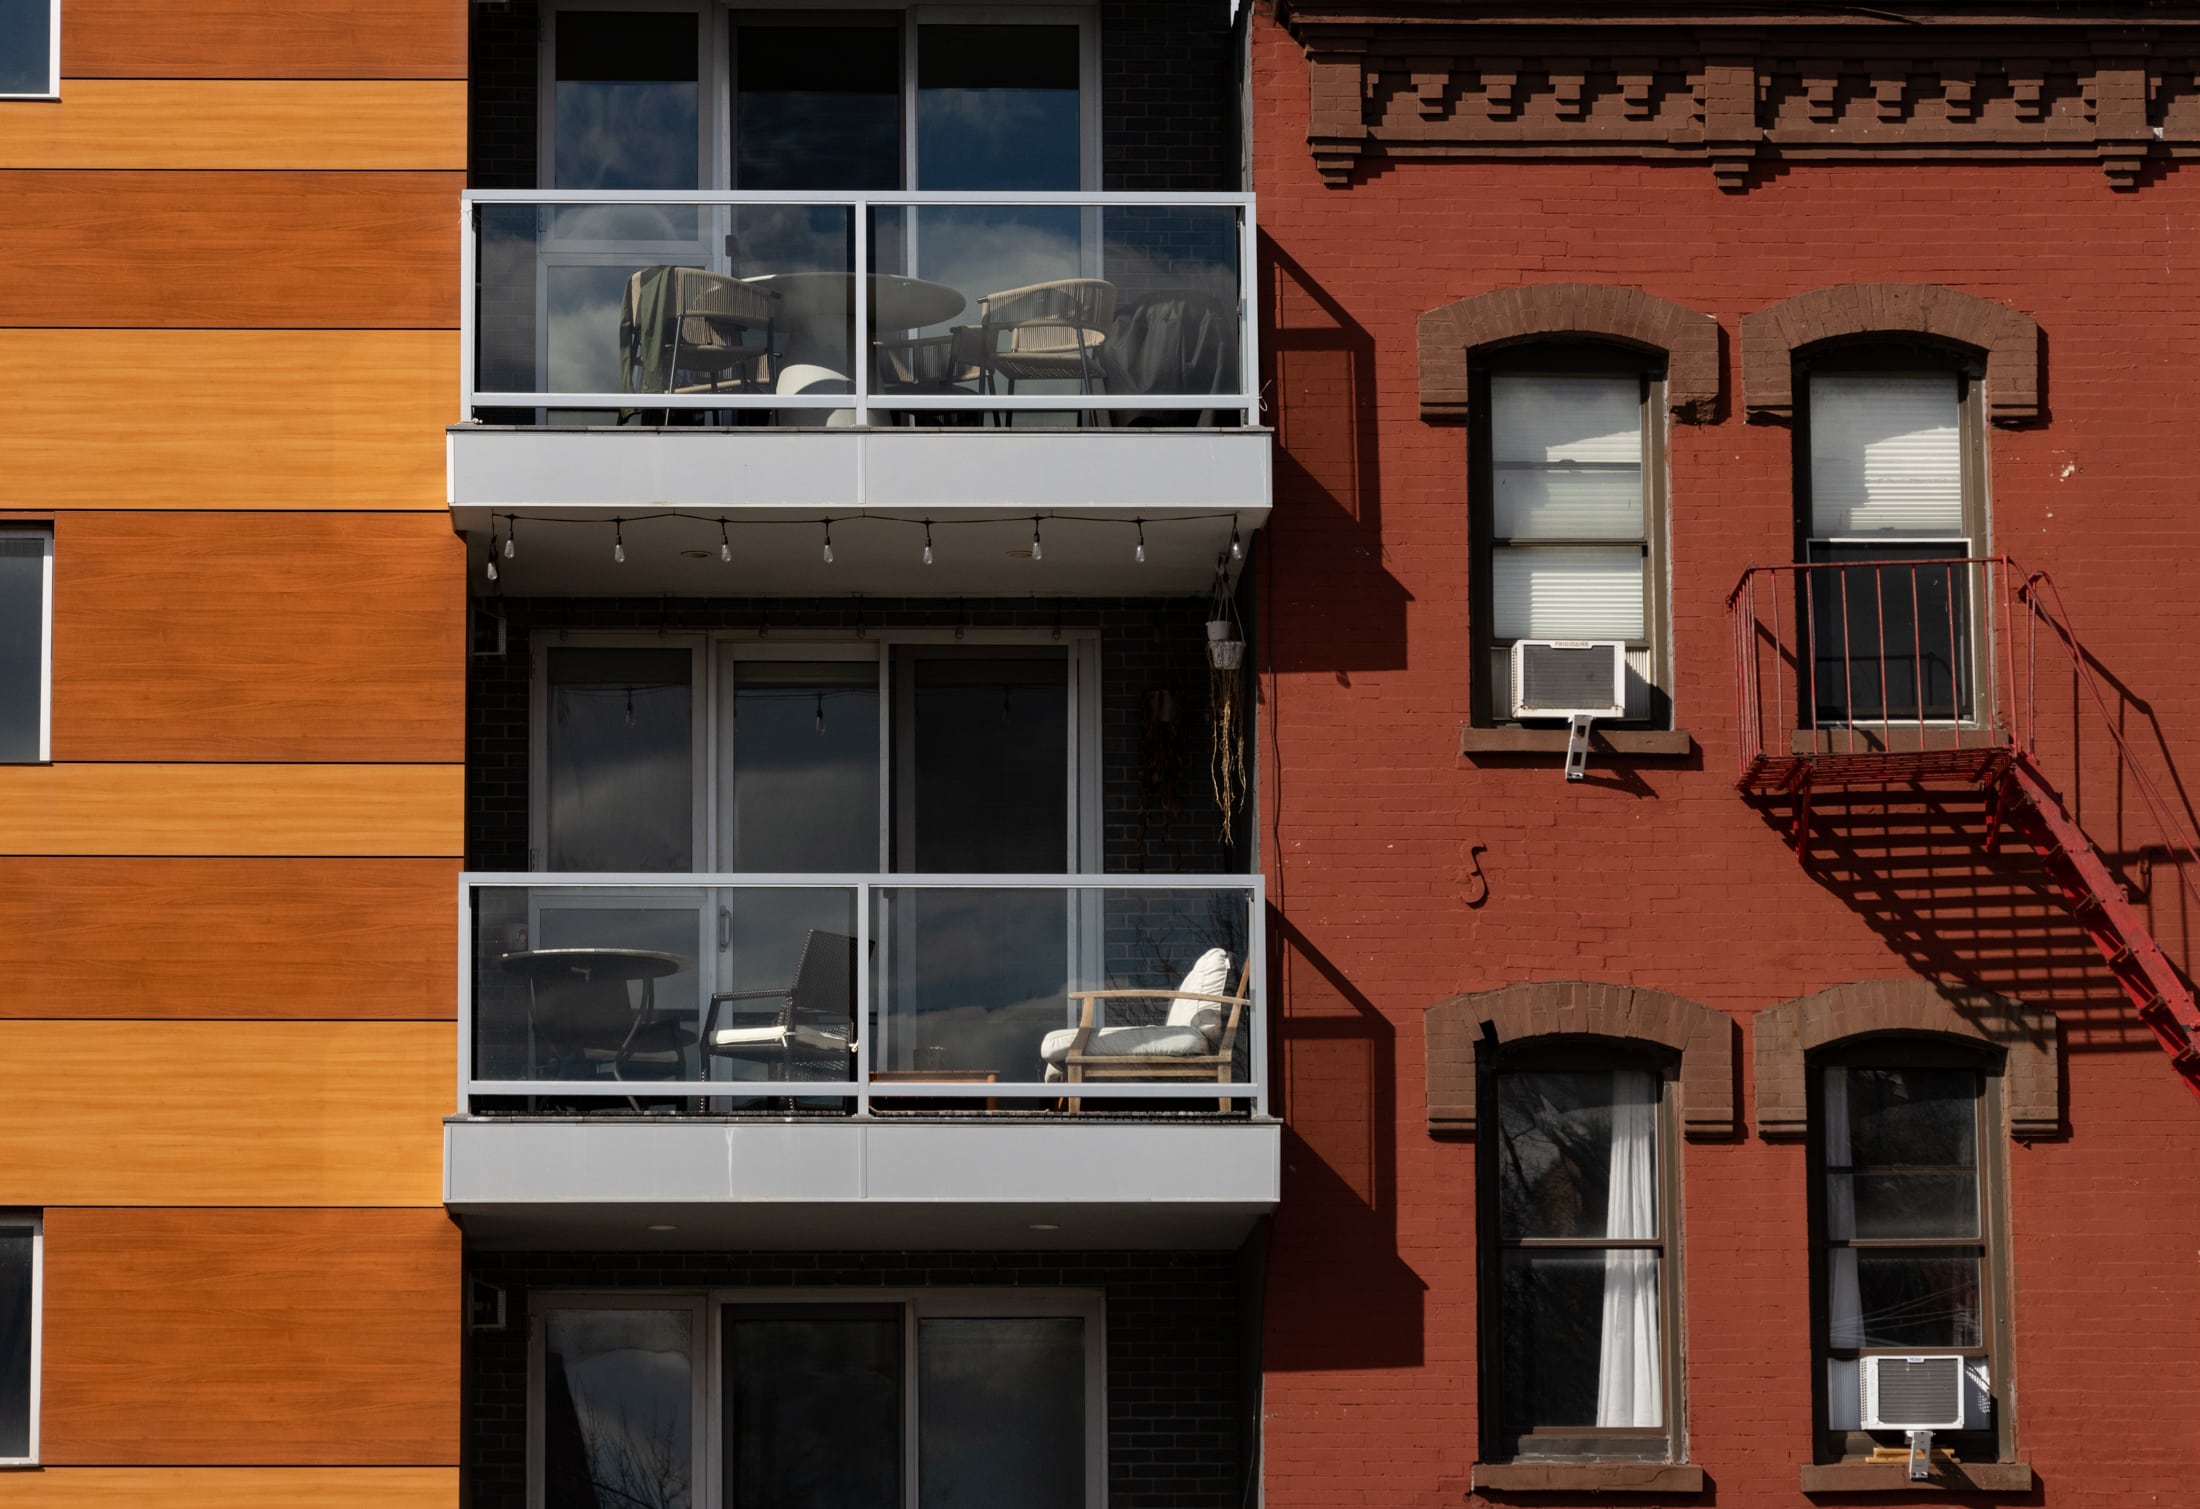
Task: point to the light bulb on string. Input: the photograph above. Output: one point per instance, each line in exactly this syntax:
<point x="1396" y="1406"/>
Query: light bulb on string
<point x="927" y="542"/>
<point x="492" y="548"/>
<point x="725" y="545"/>
<point x="511" y="533"/>
<point x="1237" y="546"/>
<point x="1038" y="551"/>
<point x="1141" y="523"/>
<point x="618" y="541"/>
<point x="828" y="542"/>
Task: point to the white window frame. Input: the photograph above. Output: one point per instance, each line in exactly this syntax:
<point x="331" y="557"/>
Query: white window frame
<point x="43" y="533"/>
<point x="35" y="1221"/>
<point x="53" y="58"/>
<point x="1088" y="1305"/>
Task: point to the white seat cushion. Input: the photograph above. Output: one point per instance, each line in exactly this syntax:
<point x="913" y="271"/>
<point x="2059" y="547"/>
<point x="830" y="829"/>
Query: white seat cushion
<point x="1209" y="976"/>
<point x="733" y="1039"/>
<point x="1128" y="1042"/>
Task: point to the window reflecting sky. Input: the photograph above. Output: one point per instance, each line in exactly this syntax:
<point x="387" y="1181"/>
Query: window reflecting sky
<point x="26" y="46"/>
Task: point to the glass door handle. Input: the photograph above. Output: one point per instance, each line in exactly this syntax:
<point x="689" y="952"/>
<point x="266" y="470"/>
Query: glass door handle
<point x="725" y="928"/>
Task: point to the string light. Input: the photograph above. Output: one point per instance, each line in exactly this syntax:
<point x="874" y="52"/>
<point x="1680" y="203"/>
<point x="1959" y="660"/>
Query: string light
<point x="828" y="542"/>
<point x="618" y="541"/>
<point x="1141" y="523"/>
<point x="927" y="542"/>
<point x="492" y="547"/>
<point x="1038" y="551"/>
<point x="725" y="545"/>
<point x="511" y="533"/>
<point x="1237" y="548"/>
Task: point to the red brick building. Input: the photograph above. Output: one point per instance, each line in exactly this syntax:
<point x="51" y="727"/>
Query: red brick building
<point x="1633" y="1119"/>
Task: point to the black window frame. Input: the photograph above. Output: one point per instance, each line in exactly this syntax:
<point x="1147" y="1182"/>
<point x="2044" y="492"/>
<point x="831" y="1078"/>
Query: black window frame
<point x="1580" y="1444"/>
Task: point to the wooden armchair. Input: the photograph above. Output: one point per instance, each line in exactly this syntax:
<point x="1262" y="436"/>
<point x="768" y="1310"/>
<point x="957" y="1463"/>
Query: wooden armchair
<point x="1198" y="1039"/>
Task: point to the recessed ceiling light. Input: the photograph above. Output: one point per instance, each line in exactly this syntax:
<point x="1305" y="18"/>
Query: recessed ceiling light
<point x="661" y="1228"/>
<point x="696" y="555"/>
<point x="1044" y="1226"/>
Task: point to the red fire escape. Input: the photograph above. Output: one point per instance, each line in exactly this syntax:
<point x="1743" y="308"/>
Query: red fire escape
<point x="1925" y="673"/>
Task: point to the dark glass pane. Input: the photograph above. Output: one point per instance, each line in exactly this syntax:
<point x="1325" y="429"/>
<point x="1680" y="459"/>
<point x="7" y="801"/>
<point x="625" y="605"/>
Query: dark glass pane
<point x="1913" y="1118"/>
<point x="1890" y="641"/>
<point x="620" y="754"/>
<point x="1554" y="1317"/>
<point x="617" y="1416"/>
<point x="997" y="107"/>
<point x="813" y="1410"/>
<point x="26" y="55"/>
<point x="1000" y="1412"/>
<point x="22" y="643"/>
<point x="626" y="101"/>
<point x="990" y="765"/>
<point x="817" y="107"/>
<point x="15" y="1341"/>
<point x="805" y="766"/>
<point x="1918" y="1297"/>
<point x="1893" y="1206"/>
<point x="1554" y="1155"/>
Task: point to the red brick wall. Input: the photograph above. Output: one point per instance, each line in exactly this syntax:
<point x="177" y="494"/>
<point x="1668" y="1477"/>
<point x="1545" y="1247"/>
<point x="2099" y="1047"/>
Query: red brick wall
<point x="1656" y="873"/>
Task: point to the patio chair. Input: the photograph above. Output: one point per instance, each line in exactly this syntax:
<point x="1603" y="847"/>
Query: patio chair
<point x="1045" y="331"/>
<point x="1196" y="1040"/>
<point x="810" y="1032"/>
<point x="676" y="320"/>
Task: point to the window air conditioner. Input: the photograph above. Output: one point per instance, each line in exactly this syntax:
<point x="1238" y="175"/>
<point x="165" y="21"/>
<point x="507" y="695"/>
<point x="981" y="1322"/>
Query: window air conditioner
<point x="1569" y="678"/>
<point x="1911" y="1393"/>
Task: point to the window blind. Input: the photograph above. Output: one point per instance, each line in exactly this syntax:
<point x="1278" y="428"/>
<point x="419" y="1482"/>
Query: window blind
<point x="1568" y="457"/>
<point x="1567" y="592"/>
<point x="1886" y="455"/>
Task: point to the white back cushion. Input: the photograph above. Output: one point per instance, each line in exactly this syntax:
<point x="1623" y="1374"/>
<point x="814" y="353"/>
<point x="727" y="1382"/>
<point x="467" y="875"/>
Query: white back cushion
<point x="1209" y="977"/>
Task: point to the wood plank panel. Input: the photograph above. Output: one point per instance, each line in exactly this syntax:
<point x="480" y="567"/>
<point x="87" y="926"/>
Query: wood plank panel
<point x="184" y="938"/>
<point x="365" y="811"/>
<point x="235" y="1488"/>
<point x="356" y="250"/>
<point x="205" y="636"/>
<point x="257" y="39"/>
<point x="225" y="1113"/>
<point x="251" y="1337"/>
<point x="229" y="418"/>
<point x="391" y="125"/>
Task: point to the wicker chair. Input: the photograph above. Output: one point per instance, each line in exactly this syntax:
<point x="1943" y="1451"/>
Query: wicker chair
<point x="1045" y="332"/>
<point x="676" y="320"/>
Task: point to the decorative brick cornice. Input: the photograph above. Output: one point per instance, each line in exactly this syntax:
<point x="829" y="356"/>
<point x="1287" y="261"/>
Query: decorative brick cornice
<point x="1686" y="338"/>
<point x="2031" y="1085"/>
<point x="1703" y="1038"/>
<point x="1730" y="85"/>
<point x="2007" y="338"/>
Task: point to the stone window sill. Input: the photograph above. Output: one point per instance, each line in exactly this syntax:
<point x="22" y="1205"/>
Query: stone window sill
<point x="1588" y="1477"/>
<point x="1652" y="743"/>
<point x="1894" y="1477"/>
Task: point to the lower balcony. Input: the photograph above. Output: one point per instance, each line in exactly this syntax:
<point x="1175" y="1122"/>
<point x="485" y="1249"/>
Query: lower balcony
<point x="862" y="1061"/>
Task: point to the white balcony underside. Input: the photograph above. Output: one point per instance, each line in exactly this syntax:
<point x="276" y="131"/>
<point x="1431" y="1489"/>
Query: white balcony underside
<point x="858" y="1184"/>
<point x="980" y="487"/>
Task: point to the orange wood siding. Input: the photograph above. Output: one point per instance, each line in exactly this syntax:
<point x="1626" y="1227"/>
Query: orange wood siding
<point x="124" y="250"/>
<point x="243" y="1337"/>
<point x="249" y="39"/>
<point x="393" y="125"/>
<point x="364" y="811"/>
<point x="259" y="938"/>
<point x="187" y="636"/>
<point x="225" y="1113"/>
<point x="230" y="418"/>
<point x="235" y="1488"/>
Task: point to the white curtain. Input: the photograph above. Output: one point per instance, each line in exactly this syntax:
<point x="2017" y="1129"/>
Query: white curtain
<point x="1629" y="1362"/>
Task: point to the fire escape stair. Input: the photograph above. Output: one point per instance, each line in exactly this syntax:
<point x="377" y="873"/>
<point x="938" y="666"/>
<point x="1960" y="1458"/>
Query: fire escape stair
<point x="2025" y="803"/>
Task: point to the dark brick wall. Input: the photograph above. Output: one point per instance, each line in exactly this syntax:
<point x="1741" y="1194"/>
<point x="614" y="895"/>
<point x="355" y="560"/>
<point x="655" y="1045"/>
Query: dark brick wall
<point x="1167" y="90"/>
<point x="1179" y="1393"/>
<point x="1157" y="809"/>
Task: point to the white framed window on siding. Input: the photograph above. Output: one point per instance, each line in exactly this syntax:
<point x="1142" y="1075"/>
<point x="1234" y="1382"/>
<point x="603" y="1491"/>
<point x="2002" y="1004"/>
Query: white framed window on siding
<point x="1569" y="520"/>
<point x="1890" y="490"/>
<point x="26" y="645"/>
<point x="30" y="49"/>
<point x="22" y="1244"/>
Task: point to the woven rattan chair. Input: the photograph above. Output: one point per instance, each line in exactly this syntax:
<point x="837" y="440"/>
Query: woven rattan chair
<point x="1045" y="332"/>
<point x="683" y="320"/>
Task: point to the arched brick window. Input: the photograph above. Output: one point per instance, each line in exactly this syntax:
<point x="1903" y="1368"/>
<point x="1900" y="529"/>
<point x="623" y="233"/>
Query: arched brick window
<point x="2006" y="339"/>
<point x="1686" y="339"/>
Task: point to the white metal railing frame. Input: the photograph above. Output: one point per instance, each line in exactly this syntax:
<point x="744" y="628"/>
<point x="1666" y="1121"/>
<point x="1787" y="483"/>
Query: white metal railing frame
<point x="862" y="400"/>
<point x="1253" y="887"/>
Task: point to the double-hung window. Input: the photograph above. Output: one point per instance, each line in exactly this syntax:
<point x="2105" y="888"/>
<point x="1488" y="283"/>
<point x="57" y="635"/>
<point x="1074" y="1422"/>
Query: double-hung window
<point x="1579" y="1301"/>
<point x="1892" y="508"/>
<point x="21" y="1240"/>
<point x="931" y="1399"/>
<point x="1566" y="517"/>
<point x="26" y="638"/>
<point x="1907" y="1221"/>
<point x="30" y="49"/>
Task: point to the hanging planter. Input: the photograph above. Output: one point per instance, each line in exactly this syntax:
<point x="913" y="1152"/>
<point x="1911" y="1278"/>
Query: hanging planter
<point x="1226" y="704"/>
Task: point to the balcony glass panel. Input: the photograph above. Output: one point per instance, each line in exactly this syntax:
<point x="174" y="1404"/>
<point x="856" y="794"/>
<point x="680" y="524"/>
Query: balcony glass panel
<point x="711" y="995"/>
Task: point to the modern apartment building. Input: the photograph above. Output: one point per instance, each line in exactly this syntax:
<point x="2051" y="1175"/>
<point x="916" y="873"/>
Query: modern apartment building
<point x="1799" y="394"/>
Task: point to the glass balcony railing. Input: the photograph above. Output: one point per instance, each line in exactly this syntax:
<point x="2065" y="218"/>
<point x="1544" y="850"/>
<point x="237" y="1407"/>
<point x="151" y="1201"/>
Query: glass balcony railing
<point x="863" y="995"/>
<point x="837" y="310"/>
